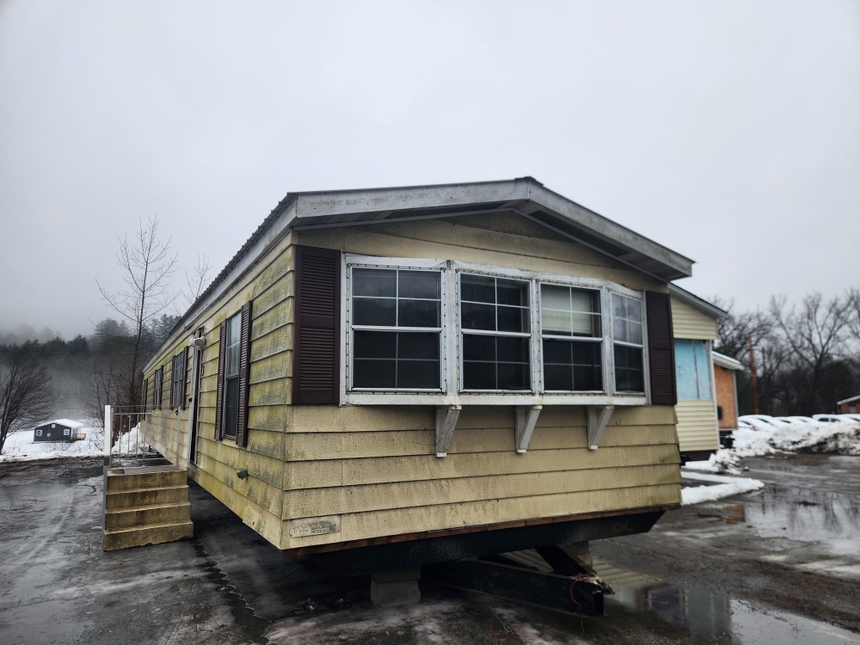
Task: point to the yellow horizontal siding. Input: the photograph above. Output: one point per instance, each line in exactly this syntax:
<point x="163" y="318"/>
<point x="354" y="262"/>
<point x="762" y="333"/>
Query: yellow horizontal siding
<point x="692" y="323"/>
<point x="356" y="526"/>
<point x="357" y="499"/>
<point x="697" y="426"/>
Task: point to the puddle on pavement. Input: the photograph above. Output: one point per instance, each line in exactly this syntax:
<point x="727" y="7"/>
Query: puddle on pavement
<point x="829" y="519"/>
<point x="714" y="618"/>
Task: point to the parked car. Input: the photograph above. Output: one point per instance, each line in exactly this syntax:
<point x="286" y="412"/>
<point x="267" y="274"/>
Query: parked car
<point x="761" y="421"/>
<point x="836" y="418"/>
<point x="799" y="419"/>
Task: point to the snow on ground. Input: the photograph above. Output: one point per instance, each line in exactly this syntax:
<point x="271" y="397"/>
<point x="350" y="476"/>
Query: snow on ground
<point x="20" y="446"/>
<point x="841" y="438"/>
<point x="724" y="487"/>
<point x="130" y="443"/>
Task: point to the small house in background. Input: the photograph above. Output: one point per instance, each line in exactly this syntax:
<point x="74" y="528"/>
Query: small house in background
<point x="725" y="380"/>
<point x="694" y="322"/>
<point x="58" y="430"/>
<point x="849" y="406"/>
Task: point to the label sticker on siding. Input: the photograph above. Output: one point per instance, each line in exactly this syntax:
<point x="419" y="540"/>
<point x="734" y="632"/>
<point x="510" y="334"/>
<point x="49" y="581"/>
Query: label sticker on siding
<point x="308" y="526"/>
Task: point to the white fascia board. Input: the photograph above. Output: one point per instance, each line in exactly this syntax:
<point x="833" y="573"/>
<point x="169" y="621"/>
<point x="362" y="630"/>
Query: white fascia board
<point x="247" y="258"/>
<point x="726" y="361"/>
<point x="607" y="229"/>
<point x="697" y="303"/>
<point x="335" y="207"/>
<point x="317" y="205"/>
<point x="849" y="400"/>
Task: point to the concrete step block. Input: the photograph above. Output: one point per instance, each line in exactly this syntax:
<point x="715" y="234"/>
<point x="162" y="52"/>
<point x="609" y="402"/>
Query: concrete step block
<point x="116" y="539"/>
<point x="145" y="477"/>
<point x="146" y="497"/>
<point x="145" y="515"/>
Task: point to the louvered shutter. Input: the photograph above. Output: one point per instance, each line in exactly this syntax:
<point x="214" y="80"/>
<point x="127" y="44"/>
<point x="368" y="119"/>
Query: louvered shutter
<point x="145" y="392"/>
<point x="244" y="373"/>
<point x="316" y="368"/>
<point x="219" y="397"/>
<point x="182" y="387"/>
<point x="661" y="348"/>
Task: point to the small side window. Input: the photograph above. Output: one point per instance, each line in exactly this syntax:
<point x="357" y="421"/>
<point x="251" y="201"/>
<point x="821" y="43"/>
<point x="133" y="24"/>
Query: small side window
<point x="627" y="343"/>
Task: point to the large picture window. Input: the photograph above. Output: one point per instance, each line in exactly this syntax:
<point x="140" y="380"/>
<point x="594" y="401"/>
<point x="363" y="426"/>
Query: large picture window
<point x="450" y="332"/>
<point x="396" y="329"/>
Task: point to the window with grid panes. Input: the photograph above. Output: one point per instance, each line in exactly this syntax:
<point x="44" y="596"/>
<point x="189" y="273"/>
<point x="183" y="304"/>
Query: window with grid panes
<point x="627" y="343"/>
<point x="496" y="331"/>
<point x="572" y="339"/>
<point x="396" y="329"/>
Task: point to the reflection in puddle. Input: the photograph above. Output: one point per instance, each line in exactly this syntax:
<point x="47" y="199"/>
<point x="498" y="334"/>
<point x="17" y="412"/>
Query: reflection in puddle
<point x="734" y="514"/>
<point x="832" y="519"/>
<point x="714" y="618"/>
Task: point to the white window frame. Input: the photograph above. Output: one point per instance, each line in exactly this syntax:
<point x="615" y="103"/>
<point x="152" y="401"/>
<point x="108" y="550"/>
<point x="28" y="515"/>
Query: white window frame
<point x="451" y="355"/>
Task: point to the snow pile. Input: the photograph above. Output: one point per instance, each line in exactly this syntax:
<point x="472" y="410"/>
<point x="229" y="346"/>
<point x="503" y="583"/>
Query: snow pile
<point x="130" y="443"/>
<point x="725" y="486"/>
<point x="21" y="447"/>
<point x="842" y="438"/>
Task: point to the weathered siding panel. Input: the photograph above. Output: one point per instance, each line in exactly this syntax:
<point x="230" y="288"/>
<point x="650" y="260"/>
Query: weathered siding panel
<point x="259" y="498"/>
<point x="375" y="466"/>
<point x="692" y="323"/>
<point x="697" y="425"/>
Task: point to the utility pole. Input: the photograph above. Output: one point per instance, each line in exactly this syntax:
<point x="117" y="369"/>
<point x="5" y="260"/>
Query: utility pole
<point x="752" y="371"/>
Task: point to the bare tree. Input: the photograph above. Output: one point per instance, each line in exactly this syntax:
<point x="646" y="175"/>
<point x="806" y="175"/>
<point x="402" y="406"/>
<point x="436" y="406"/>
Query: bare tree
<point x="25" y="394"/>
<point x="198" y="279"/>
<point x="147" y="268"/>
<point x="815" y="335"/>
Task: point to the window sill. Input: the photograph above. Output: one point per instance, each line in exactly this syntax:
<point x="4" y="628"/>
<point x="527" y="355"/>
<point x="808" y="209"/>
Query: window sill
<point x="387" y="398"/>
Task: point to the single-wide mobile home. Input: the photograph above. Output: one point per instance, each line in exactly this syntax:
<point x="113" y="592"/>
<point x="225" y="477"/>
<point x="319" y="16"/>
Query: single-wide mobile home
<point x="694" y="322"/>
<point x="428" y="373"/>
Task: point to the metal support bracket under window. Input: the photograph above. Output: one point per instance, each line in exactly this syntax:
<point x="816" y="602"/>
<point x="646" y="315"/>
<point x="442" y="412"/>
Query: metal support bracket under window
<point x="597" y="417"/>
<point x="526" y="419"/>
<point x="446" y="421"/>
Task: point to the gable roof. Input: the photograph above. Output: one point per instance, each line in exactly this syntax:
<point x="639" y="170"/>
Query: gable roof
<point x="700" y="304"/>
<point x="525" y="196"/>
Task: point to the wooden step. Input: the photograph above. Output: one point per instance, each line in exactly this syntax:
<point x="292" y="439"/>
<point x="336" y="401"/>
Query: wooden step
<point x="126" y="538"/>
<point x="135" y="498"/>
<point x="146" y="515"/>
<point x="145" y="477"/>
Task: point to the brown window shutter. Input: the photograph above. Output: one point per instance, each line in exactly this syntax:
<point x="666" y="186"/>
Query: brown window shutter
<point x="661" y="348"/>
<point x="219" y="397"/>
<point x="316" y="350"/>
<point x="145" y="392"/>
<point x="244" y="373"/>
<point x="182" y="387"/>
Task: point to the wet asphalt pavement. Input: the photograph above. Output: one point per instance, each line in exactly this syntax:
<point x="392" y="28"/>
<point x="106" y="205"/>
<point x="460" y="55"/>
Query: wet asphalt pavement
<point x="780" y="565"/>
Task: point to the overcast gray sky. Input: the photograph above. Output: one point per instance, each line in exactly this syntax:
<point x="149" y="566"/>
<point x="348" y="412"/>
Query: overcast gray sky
<point x="729" y="131"/>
